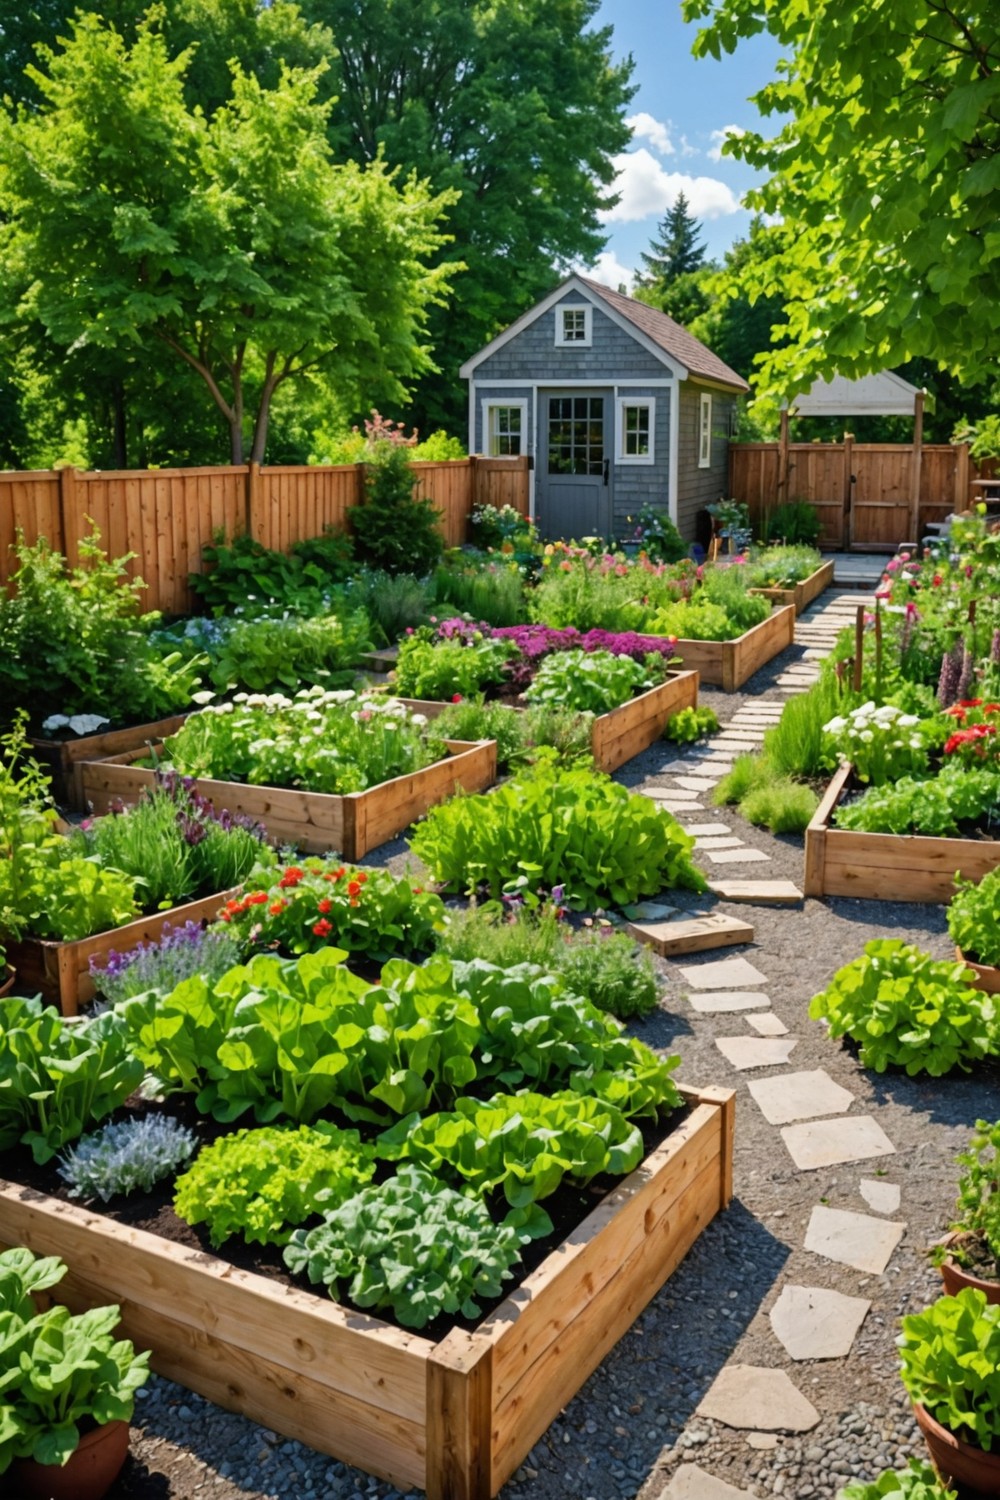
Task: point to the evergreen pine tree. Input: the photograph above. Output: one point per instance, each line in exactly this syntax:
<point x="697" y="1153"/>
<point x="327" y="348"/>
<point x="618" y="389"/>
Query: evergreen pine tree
<point x="679" y="248"/>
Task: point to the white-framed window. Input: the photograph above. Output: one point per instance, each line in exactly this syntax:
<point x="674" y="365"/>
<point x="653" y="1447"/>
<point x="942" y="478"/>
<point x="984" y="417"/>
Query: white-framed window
<point x="636" y="429"/>
<point x="704" y="431"/>
<point x="505" y="428"/>
<point x="574" y="325"/>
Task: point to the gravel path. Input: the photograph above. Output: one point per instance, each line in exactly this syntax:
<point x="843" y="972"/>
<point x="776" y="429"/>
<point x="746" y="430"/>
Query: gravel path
<point x="635" y="1421"/>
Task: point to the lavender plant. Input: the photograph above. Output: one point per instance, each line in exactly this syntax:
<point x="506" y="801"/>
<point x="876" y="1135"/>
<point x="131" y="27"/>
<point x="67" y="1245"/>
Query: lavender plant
<point x="126" y="1156"/>
<point x="181" y="952"/>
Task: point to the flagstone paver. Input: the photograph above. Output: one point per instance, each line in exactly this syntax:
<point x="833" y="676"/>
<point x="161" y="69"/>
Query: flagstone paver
<point x="671" y="806"/>
<point x="760" y="1399"/>
<point x="716" y="841"/>
<point x="825" y="1143"/>
<point x="761" y="892"/>
<point x="693" y="1483"/>
<point x="814" y="1322"/>
<point x="883" y="1197"/>
<point x="697" y="783"/>
<point x="851" y="1239"/>
<point x="706" y="830"/>
<point x="725" y="972"/>
<point x="727" y="1002"/>
<point x="738" y="857"/>
<point x="756" y="1051"/>
<point x="766" y="1023"/>
<point x="800" y="1096"/>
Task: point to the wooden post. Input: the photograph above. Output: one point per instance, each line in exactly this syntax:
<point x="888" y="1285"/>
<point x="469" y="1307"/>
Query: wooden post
<point x="459" y="1418"/>
<point x="783" y="458"/>
<point x="859" y="647"/>
<point x="847" y="523"/>
<point x="253" y="520"/>
<point x="961" y="498"/>
<point x="68" y="501"/>
<point x="918" y="443"/>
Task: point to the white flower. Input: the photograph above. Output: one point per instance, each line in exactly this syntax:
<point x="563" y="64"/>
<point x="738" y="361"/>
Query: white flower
<point x="916" y="743"/>
<point x="908" y="721"/>
<point x="239" y="697"/>
<point x="866" y="735"/>
<point x="835" y="726"/>
<point x="257" y="700"/>
<point x="205" y="696"/>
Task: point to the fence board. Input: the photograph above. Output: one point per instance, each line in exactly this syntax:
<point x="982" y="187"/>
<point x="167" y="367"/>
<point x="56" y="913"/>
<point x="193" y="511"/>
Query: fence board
<point x="29" y="502"/>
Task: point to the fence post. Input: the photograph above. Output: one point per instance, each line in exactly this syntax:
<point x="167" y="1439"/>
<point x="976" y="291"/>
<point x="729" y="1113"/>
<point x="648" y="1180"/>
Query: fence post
<point x="783" y="458"/>
<point x="918" y="443"/>
<point x="251" y="517"/>
<point x="67" y="509"/>
<point x="962" y="476"/>
<point x="847" y="528"/>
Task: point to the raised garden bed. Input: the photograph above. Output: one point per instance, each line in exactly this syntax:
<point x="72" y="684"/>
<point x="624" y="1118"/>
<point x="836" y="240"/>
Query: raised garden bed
<point x="317" y="822"/>
<point x="887" y="866"/>
<point x="63" y="758"/>
<point x="624" y="731"/>
<point x="61" y="971"/>
<point x="728" y="664"/>
<point x="801" y="594"/>
<point x="454" y="1418"/>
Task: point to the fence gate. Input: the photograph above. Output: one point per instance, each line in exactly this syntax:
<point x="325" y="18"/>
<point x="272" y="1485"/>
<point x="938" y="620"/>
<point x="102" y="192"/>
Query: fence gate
<point x="881" y="507"/>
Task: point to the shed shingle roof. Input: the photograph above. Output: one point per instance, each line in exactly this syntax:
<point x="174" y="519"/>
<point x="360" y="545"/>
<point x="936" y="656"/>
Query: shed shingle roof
<point x="669" y="336"/>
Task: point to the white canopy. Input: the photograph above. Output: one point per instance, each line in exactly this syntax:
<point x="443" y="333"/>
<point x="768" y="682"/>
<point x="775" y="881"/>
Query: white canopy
<point x="881" y="395"/>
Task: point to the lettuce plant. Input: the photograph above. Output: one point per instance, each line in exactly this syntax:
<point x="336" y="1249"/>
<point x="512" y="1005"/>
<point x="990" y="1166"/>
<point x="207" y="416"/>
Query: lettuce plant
<point x="592" y="681"/>
<point x="569" y="828"/>
<point x="935" y="807"/>
<point x="950" y="1365"/>
<point x="411" y="1246"/>
<point x="917" y="1481"/>
<point x="690" y="724"/>
<point x="909" y="1010"/>
<point x="260" y="1183"/>
<point x="974" y="919"/>
<point x="427" y="668"/>
<point x="126" y="1156"/>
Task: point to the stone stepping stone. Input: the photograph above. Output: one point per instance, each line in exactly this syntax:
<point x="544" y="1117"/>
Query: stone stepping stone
<point x="855" y="1240"/>
<point x="728" y="1001"/>
<point x="768" y="1024"/>
<point x="693" y="1483"/>
<point x="687" y="934"/>
<point x="680" y="809"/>
<point x="825" y="1143"/>
<point x="669" y="794"/>
<point x="729" y="842"/>
<point x="755" y="1051"/>
<point x="883" y="1197"/>
<point x="706" y="830"/>
<point x="815" y="1323"/>
<point x="800" y="1096"/>
<point x="724" y="974"/>
<point x="758" y="1400"/>
<point x="696" y="783"/>
<point x="738" y="856"/>
<point x="761" y="892"/>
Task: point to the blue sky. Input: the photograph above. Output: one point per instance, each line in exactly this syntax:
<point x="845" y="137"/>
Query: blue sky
<point x="678" y="116"/>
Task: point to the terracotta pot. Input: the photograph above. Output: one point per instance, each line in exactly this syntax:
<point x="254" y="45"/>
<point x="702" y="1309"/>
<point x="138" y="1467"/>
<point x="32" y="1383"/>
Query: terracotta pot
<point x="88" y="1474"/>
<point x="959" y="1462"/>
<point x="8" y="978"/>
<point x="987" y="978"/>
<point x="956" y="1278"/>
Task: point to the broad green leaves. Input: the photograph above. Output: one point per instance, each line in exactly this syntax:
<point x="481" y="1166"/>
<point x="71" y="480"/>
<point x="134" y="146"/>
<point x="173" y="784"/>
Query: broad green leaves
<point x="950" y="1364"/>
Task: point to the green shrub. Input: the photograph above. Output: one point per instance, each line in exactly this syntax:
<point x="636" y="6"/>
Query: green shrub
<point x="796" y="522"/>
<point x="909" y="1010"/>
<point x="783" y="806"/>
<point x="950" y="1365"/>
<point x="572" y="829"/>
<point x="690" y="724"/>
<point x="393" y="529"/>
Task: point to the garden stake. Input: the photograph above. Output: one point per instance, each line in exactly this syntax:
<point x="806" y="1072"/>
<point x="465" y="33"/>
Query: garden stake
<point x="859" y="647"/>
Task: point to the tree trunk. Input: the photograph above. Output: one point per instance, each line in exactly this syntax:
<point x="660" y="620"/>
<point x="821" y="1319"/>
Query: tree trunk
<point x="263" y="417"/>
<point x="118" y="424"/>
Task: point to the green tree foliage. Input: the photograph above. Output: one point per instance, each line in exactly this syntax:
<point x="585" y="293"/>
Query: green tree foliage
<point x="234" y="245"/>
<point x="679" y="248"/>
<point x="886" y="175"/>
<point x="734" y="326"/>
<point x="514" y="103"/>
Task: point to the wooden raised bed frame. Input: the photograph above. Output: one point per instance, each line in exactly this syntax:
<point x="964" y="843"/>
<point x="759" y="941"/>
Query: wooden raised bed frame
<point x="887" y="866"/>
<point x="63" y="758"/>
<point x="801" y="594"/>
<point x="728" y="664"/>
<point x="317" y="821"/>
<point x="624" y="731"/>
<point x="453" y="1418"/>
<point x="62" y="970"/>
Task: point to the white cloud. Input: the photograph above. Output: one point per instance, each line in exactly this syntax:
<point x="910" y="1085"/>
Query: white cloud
<point x="718" y="138"/>
<point x="645" y="189"/>
<point x="645" y="127"/>
<point x="609" y="271"/>
<point x="686" y="147"/>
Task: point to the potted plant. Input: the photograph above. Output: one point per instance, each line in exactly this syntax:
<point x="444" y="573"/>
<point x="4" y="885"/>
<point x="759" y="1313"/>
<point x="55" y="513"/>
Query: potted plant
<point x="969" y="1255"/>
<point x="950" y="1366"/>
<point x="67" y="1387"/>
<point x="974" y="925"/>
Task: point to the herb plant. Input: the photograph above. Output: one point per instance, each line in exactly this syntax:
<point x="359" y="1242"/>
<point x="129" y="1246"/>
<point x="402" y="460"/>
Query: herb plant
<point x="126" y="1156"/>
<point x="160" y="966"/>
<point x="977" y="1212"/>
<point x="950" y="1365"/>
<point x="571" y="828"/>
<point x="909" y="1010"/>
<point x="782" y="567"/>
<point x="974" y="919"/>
<point x="261" y="1183"/>
<point x="299" y="908"/>
<point x="592" y="681"/>
<point x="690" y="724"/>
<point x="61" y="1371"/>
<point x="411" y="1246"/>
<point x="918" y="1481"/>
<point x="611" y="971"/>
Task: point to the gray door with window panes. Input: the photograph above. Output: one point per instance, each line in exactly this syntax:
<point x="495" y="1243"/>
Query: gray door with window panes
<point x="574" y="470"/>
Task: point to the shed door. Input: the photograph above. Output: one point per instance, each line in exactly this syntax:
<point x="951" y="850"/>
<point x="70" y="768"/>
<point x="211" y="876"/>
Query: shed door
<point x="574" y="483"/>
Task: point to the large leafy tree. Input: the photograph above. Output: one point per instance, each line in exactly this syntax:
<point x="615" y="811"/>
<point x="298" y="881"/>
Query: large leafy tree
<point x="233" y="245"/>
<point x="885" y="174"/>
<point x="517" y="105"/>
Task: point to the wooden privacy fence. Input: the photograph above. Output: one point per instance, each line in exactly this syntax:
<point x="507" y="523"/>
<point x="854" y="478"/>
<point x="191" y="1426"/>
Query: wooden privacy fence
<point x="166" y="516"/>
<point x="869" y="496"/>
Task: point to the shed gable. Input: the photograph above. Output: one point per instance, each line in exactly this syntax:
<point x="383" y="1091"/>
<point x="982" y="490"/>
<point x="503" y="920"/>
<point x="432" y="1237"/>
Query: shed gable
<point x="532" y="353"/>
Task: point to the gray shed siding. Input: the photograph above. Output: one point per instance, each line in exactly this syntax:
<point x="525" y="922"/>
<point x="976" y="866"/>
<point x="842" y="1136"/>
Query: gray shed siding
<point x="532" y="354"/>
<point x="696" y="487"/>
<point x="636" y="485"/>
<point x="503" y="396"/>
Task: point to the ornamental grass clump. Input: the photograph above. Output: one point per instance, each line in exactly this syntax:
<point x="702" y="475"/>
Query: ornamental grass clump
<point x="909" y="1010"/>
<point x="126" y="1156"/>
<point x="571" y="828"/>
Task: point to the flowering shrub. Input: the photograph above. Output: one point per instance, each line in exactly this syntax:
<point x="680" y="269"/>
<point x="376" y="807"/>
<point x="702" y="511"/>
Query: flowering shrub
<point x="302" y="907"/>
<point x="882" y="744"/>
<point x="180" y="952"/>
<point x="321" y="741"/>
<point x="593" y="681"/>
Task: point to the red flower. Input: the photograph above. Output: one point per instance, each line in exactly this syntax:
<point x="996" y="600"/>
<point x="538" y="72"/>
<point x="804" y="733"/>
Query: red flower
<point x="353" y="888"/>
<point x="322" y="928"/>
<point x="277" y="907"/>
<point x="456" y="697"/>
<point x="324" y="905"/>
<point x="361" y="877"/>
<point x="256" y="898"/>
<point x="970" y="702"/>
<point x="291" y="877"/>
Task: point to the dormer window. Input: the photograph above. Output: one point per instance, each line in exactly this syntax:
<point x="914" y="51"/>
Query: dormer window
<point x="573" y="326"/>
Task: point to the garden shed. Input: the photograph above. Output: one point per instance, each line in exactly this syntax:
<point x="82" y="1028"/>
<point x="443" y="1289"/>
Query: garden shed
<point x="617" y="405"/>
